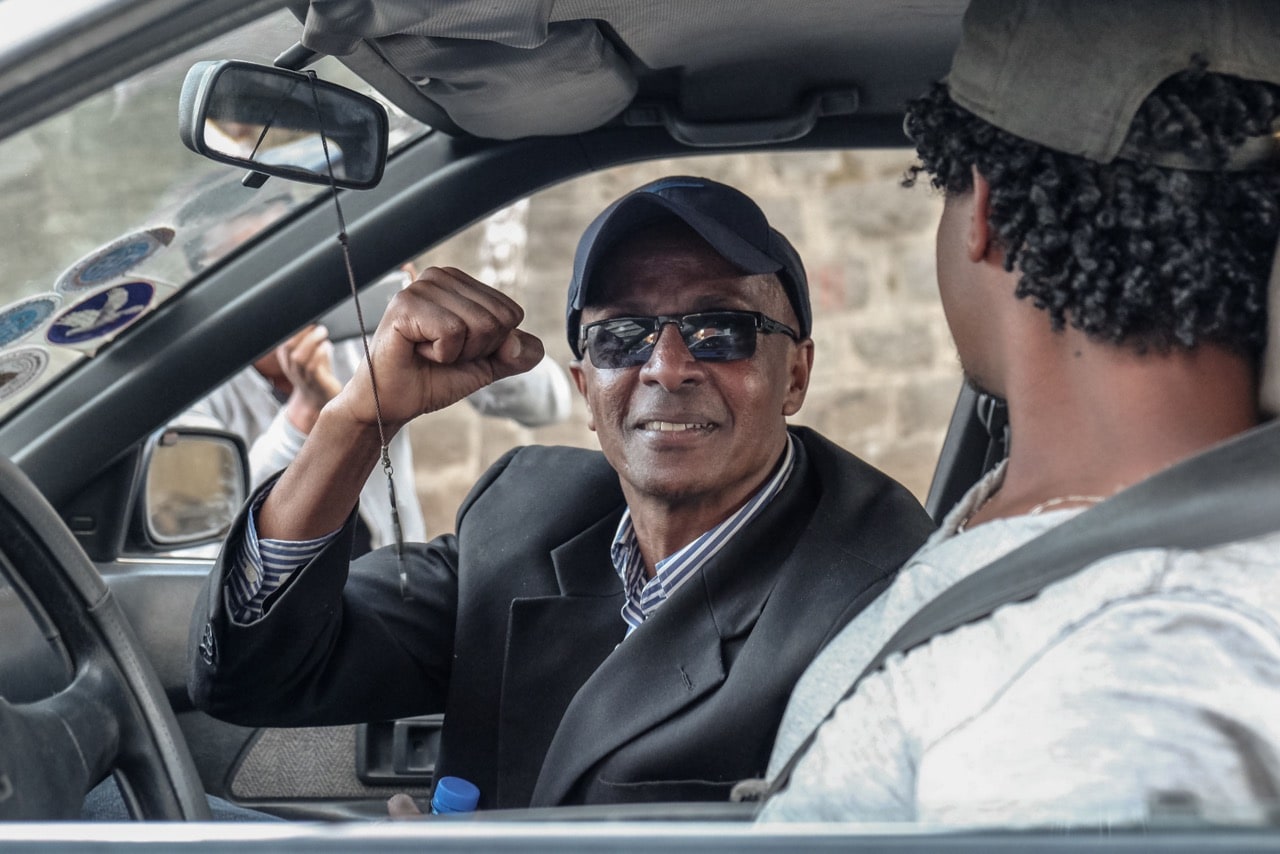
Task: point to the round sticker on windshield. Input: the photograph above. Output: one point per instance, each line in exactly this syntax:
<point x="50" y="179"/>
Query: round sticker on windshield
<point x="103" y="313"/>
<point x="19" y="368"/>
<point x="21" y="318"/>
<point x="115" y="259"/>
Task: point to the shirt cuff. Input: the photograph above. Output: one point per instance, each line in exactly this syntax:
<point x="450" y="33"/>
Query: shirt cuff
<point x="262" y="566"/>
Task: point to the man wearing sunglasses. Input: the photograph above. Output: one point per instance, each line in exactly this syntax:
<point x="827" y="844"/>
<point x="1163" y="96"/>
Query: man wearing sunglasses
<point x="613" y="627"/>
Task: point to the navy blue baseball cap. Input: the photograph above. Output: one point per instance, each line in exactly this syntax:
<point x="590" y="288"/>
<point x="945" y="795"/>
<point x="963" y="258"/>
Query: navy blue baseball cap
<point x="724" y="217"/>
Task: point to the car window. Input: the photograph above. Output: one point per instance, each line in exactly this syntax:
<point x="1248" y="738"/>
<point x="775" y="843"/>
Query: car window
<point x="885" y="370"/>
<point x="886" y="374"/>
<point x="108" y="214"/>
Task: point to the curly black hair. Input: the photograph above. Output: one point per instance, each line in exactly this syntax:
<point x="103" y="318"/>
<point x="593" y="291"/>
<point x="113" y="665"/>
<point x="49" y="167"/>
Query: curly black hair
<point x="1128" y="252"/>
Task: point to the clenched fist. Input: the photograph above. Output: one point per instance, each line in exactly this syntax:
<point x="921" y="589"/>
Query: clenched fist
<point x="441" y="338"/>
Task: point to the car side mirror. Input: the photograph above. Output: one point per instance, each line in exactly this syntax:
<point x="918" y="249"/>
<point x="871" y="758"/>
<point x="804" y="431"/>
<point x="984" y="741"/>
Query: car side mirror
<point x="194" y="482"/>
<point x="284" y="123"/>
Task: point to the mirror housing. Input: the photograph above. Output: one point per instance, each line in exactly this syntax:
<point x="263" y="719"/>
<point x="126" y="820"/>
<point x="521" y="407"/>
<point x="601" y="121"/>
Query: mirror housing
<point x="194" y="482"/>
<point x="266" y="119"/>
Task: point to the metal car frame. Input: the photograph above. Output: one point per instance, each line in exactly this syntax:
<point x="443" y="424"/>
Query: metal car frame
<point x="431" y="190"/>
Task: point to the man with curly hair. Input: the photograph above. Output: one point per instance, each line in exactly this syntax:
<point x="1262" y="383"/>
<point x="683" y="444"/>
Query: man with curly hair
<point x="1112" y="206"/>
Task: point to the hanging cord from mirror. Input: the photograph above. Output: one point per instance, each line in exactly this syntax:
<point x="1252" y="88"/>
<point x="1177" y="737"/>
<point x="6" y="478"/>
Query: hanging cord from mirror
<point x="344" y="242"/>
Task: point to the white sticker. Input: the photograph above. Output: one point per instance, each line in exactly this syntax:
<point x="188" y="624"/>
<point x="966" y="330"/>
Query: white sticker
<point x="114" y="260"/>
<point x="19" y="368"/>
<point x="20" y="319"/>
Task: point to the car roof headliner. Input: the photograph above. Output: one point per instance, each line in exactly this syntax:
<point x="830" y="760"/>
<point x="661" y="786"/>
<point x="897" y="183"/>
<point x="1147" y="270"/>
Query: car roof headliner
<point x="709" y="61"/>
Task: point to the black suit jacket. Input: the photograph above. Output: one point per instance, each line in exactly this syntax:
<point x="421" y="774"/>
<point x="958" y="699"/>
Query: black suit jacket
<point x="514" y="631"/>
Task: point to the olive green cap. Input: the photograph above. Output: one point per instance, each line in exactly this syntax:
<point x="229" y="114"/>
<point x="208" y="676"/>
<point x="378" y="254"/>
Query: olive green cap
<point x="1071" y="74"/>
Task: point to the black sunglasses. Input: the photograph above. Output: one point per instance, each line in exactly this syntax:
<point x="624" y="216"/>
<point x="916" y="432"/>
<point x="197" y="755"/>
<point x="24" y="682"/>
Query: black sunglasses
<point x="711" y="336"/>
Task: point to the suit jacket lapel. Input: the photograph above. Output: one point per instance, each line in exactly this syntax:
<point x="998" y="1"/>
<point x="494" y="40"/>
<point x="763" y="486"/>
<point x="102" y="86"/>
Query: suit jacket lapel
<point x="554" y="643"/>
<point x="583" y="566"/>
<point x="666" y="664"/>
<point x="676" y="657"/>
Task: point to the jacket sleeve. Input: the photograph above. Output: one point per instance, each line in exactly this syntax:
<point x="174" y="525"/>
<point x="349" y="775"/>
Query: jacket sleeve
<point x="341" y="643"/>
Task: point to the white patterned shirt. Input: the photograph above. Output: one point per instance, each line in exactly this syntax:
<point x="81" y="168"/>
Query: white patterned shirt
<point x="1144" y="688"/>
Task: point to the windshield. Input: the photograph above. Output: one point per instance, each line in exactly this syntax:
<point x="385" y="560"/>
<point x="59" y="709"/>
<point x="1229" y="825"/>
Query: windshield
<point x="109" y="214"/>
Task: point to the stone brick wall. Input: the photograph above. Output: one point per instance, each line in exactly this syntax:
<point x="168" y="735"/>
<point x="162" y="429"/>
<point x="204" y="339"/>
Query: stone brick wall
<point x="885" y="373"/>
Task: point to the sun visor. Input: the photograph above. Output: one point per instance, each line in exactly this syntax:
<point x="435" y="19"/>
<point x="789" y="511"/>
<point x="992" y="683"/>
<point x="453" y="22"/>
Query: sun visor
<point x="501" y="70"/>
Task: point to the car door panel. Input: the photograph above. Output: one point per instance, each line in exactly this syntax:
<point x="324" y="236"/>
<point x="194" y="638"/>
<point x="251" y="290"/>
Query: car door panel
<point x="305" y="772"/>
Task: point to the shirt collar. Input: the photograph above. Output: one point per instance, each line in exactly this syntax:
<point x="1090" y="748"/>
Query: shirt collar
<point x="644" y="595"/>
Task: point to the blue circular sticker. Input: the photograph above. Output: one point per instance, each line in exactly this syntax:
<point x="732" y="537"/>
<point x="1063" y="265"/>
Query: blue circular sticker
<point x="101" y="314"/>
<point x="20" y="319"/>
<point x="18" y="368"/>
<point x="115" y="259"/>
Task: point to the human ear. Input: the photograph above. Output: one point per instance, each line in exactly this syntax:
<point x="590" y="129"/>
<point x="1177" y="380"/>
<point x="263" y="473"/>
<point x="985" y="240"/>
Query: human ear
<point x="801" y="368"/>
<point x="978" y="237"/>
<point x="580" y="380"/>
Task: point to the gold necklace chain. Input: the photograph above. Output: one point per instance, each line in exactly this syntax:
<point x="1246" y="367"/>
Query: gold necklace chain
<point x="1037" y="509"/>
<point x="1065" y="499"/>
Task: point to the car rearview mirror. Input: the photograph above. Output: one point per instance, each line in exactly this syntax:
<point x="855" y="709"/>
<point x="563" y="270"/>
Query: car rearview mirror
<point x="283" y="123"/>
<point x="194" y="482"/>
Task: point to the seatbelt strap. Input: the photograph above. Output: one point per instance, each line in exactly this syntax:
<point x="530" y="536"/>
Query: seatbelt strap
<point x="1177" y="508"/>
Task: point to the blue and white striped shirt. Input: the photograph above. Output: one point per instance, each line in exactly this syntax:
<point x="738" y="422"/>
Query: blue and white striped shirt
<point x="263" y="565"/>
<point x="644" y="595"/>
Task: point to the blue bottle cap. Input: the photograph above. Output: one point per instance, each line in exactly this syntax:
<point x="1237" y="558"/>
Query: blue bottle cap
<point x="454" y="794"/>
